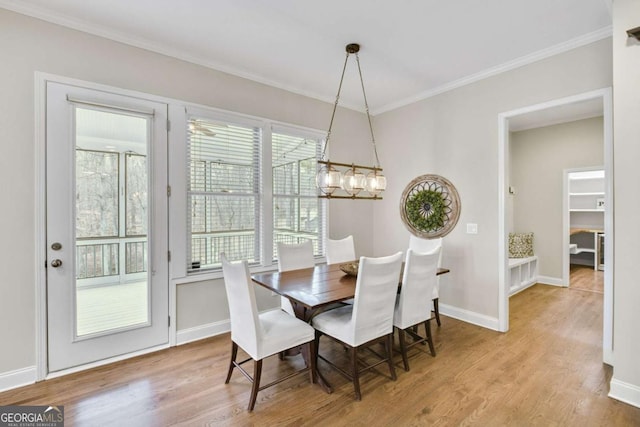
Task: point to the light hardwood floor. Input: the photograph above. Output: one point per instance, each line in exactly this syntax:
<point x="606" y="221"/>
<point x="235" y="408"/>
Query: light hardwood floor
<point x="585" y="278"/>
<point x="546" y="371"/>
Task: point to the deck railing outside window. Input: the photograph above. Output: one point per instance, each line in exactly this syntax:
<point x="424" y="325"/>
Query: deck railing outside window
<point x="101" y="259"/>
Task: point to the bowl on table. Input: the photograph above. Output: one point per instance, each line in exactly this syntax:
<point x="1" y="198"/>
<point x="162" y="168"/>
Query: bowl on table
<point x="350" y="268"/>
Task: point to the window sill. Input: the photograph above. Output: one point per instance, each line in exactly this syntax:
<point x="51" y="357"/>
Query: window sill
<point x="217" y="273"/>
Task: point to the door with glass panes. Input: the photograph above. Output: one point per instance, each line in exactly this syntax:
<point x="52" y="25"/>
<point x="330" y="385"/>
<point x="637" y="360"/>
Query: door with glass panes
<point x="106" y="184"/>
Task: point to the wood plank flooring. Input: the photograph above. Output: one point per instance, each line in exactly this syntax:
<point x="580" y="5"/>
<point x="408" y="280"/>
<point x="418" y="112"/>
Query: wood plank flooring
<point x="585" y="278"/>
<point x="546" y="371"/>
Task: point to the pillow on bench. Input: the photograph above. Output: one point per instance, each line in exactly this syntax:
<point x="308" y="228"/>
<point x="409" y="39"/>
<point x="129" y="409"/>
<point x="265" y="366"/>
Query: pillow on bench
<point x="520" y="245"/>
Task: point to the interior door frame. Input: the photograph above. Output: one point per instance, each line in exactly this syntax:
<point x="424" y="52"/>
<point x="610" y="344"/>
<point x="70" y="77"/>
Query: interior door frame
<point x="605" y="94"/>
<point x="40" y="90"/>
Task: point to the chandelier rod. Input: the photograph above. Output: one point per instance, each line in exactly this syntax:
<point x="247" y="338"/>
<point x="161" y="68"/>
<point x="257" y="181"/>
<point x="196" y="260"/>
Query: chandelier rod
<point x="335" y="105"/>
<point x="366" y="106"/>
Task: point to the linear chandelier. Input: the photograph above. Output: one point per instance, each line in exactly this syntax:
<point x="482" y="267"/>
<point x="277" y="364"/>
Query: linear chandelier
<point x="348" y="180"/>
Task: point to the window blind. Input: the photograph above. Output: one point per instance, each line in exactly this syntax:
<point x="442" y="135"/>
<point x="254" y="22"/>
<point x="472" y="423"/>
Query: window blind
<point x="223" y="191"/>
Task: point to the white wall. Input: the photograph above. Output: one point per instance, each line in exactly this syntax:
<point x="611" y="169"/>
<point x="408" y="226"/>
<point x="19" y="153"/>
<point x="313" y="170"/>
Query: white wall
<point x="455" y="134"/>
<point x="538" y="159"/>
<point x="625" y="384"/>
<point x="28" y="45"/>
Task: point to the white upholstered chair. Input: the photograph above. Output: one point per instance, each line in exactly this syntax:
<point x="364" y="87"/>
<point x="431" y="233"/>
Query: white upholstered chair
<point x="369" y="320"/>
<point x="341" y="250"/>
<point x="423" y="246"/>
<point x="418" y="280"/>
<point x="260" y="335"/>
<point x="294" y="256"/>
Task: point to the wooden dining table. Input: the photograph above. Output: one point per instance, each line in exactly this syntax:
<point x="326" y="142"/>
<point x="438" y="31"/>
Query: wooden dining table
<point x="312" y="290"/>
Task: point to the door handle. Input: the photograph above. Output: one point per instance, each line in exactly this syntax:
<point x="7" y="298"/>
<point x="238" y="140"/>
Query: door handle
<point x="56" y="263"/>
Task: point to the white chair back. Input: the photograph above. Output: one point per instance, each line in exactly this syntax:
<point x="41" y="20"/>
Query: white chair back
<point x="418" y="281"/>
<point x="421" y="245"/>
<point x="341" y="250"/>
<point x="243" y="309"/>
<point x="375" y="296"/>
<point x="295" y="256"/>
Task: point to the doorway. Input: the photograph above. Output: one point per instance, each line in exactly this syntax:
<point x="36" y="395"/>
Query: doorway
<point x="106" y="225"/>
<point x="556" y="111"/>
<point x="584" y="193"/>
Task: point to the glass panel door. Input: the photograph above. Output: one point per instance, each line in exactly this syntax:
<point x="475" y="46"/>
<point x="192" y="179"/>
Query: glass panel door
<point x="107" y="237"/>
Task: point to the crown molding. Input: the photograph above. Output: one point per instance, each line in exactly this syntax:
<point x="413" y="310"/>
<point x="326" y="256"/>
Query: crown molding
<point x="46" y="15"/>
<point x="586" y="39"/>
<point x="100" y="31"/>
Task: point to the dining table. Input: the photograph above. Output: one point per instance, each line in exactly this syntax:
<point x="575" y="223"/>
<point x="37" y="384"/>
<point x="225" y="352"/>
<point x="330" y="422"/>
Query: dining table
<point x="313" y="290"/>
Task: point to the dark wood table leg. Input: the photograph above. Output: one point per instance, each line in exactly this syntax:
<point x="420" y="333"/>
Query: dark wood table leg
<point x="300" y="314"/>
<point x="304" y="314"/>
<point x="320" y="380"/>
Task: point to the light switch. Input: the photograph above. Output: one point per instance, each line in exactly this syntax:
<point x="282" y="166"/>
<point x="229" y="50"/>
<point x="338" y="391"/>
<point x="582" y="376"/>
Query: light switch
<point x="472" y="228"/>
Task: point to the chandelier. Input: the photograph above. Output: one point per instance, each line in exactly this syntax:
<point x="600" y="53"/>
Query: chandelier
<point x="348" y="180"/>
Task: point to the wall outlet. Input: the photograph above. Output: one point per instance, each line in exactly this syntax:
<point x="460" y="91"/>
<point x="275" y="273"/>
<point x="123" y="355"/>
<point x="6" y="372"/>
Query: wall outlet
<point x="472" y="228"/>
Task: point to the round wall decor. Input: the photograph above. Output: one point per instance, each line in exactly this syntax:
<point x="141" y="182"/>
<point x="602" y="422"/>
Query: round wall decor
<point x="430" y="206"/>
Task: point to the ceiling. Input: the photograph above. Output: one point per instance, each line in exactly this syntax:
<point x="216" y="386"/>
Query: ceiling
<point x="410" y="49"/>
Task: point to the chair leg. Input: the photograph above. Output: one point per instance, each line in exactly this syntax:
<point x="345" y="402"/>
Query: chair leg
<point x="355" y="373"/>
<point x="312" y="361"/>
<point x="436" y="310"/>
<point x="403" y="349"/>
<point x="427" y="327"/>
<point x="257" y="372"/>
<point x="317" y="345"/>
<point x="389" y="347"/>
<point x="234" y="354"/>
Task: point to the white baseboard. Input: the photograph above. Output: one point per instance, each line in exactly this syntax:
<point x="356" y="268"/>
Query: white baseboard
<point x="185" y="336"/>
<point x="625" y="392"/>
<point x="17" y="378"/>
<point x="469" y="316"/>
<point x="553" y="281"/>
<point x="208" y="330"/>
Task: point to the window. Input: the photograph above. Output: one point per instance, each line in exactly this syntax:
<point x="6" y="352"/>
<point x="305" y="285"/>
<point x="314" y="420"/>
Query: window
<point x="230" y="203"/>
<point x="297" y="211"/>
<point x="223" y="193"/>
<point x="97" y="213"/>
<point x="102" y="235"/>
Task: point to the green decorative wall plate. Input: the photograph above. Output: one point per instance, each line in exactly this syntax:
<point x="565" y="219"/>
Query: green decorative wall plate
<point x="430" y="206"/>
